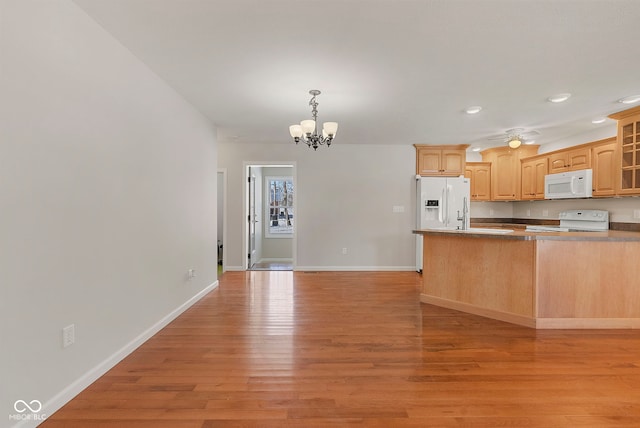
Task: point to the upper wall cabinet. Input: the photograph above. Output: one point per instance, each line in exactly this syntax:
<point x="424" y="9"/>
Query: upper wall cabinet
<point x="479" y="175"/>
<point x="604" y="161"/>
<point x="532" y="181"/>
<point x="440" y="160"/>
<point x="628" y="180"/>
<point x="506" y="170"/>
<point x="570" y="160"/>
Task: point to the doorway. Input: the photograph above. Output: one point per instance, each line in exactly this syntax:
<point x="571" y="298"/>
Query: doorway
<point x="270" y="213"/>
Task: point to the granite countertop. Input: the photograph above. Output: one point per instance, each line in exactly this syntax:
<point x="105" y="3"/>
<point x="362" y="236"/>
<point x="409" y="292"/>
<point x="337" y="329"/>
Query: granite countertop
<point x="519" y="233"/>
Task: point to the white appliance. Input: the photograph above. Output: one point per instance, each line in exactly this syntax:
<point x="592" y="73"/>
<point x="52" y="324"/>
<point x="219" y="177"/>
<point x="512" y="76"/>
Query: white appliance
<point x="577" y="221"/>
<point x="442" y="203"/>
<point x="566" y="185"/>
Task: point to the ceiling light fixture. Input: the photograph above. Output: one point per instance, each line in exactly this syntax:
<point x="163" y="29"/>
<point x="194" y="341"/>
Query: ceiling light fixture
<point x="307" y="131"/>
<point x="473" y="109"/>
<point x="476" y="149"/>
<point x="529" y="142"/>
<point x="559" y="98"/>
<point x="514" y="142"/>
<point x="598" y="120"/>
<point x="630" y="99"/>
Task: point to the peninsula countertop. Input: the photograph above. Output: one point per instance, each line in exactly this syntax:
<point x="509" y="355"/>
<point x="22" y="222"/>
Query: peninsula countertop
<point x="522" y="234"/>
<point x="536" y="279"/>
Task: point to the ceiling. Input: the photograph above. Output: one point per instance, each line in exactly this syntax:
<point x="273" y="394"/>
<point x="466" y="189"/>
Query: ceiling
<point x="390" y="71"/>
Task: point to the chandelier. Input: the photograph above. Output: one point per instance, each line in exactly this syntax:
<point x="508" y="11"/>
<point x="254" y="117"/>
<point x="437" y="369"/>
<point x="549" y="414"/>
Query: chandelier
<point x="307" y="131"/>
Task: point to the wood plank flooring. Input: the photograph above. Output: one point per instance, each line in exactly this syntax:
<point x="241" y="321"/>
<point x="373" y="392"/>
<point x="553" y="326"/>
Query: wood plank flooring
<point x="328" y="349"/>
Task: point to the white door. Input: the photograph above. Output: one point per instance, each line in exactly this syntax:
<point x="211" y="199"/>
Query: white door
<point x="252" y="219"/>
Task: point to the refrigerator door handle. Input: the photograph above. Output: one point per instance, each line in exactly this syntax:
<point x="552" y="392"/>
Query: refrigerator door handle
<point x="448" y="196"/>
<point x="441" y="208"/>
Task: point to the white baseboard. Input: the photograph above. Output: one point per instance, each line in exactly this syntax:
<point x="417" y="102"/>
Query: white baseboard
<point x="356" y="268"/>
<point x="64" y="396"/>
<point x="341" y="268"/>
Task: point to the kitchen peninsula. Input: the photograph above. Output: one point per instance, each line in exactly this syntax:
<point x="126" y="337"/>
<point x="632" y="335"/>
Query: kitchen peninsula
<point x="548" y="280"/>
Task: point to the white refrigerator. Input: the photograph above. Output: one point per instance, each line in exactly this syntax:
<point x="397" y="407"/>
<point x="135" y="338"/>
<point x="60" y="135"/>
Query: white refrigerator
<point x="442" y="203"/>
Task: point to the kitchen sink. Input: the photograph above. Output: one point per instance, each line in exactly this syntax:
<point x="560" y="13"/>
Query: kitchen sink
<point x="472" y="229"/>
<point x="487" y="230"/>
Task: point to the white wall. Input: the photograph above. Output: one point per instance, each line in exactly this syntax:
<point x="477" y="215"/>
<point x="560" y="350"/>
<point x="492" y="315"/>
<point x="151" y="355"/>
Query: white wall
<point x="345" y="196"/>
<point x="498" y="209"/>
<point x="108" y="196"/>
<point x="620" y="209"/>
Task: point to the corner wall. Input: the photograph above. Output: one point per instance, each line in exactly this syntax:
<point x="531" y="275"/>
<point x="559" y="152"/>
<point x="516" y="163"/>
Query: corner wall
<point x="108" y="194"/>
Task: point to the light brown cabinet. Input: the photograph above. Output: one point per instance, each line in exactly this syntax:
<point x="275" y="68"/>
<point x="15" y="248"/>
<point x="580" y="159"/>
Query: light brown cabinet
<point x="628" y="142"/>
<point x="532" y="181"/>
<point x="479" y="175"/>
<point x="570" y="160"/>
<point x="604" y="162"/>
<point x="506" y="170"/>
<point x="440" y="160"/>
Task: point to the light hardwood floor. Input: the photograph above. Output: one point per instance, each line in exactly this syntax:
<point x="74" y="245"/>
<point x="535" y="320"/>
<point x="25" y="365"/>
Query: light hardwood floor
<point x="326" y="349"/>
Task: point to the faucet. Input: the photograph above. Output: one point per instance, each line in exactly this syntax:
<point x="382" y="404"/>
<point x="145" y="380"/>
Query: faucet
<point x="465" y="212"/>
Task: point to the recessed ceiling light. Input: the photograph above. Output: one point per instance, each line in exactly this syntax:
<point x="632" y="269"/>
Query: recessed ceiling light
<point x="529" y="142"/>
<point x="598" y="120"/>
<point x="475" y="149"/>
<point x="473" y="109"/>
<point x="630" y="99"/>
<point x="559" y="98"/>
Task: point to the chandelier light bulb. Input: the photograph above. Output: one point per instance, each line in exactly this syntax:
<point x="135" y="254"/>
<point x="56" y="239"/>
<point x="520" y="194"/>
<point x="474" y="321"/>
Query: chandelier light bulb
<point x="330" y="127"/>
<point x="295" y="131"/>
<point x="308" y="126"/>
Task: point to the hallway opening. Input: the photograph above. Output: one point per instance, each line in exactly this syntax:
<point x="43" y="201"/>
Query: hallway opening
<point x="270" y="201"/>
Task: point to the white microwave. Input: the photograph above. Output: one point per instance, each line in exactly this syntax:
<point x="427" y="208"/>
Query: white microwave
<point x="571" y="184"/>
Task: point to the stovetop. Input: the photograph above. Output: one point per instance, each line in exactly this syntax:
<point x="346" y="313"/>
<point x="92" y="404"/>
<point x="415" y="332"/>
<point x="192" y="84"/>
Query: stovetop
<point x="577" y="221"/>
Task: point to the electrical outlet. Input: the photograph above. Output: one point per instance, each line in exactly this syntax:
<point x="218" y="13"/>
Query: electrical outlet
<point x="344" y="250"/>
<point x="398" y="208"/>
<point x="491" y="212"/>
<point x="528" y="213"/>
<point x="636" y="213"/>
<point x="191" y="273"/>
<point x="545" y="213"/>
<point x="68" y="335"/>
